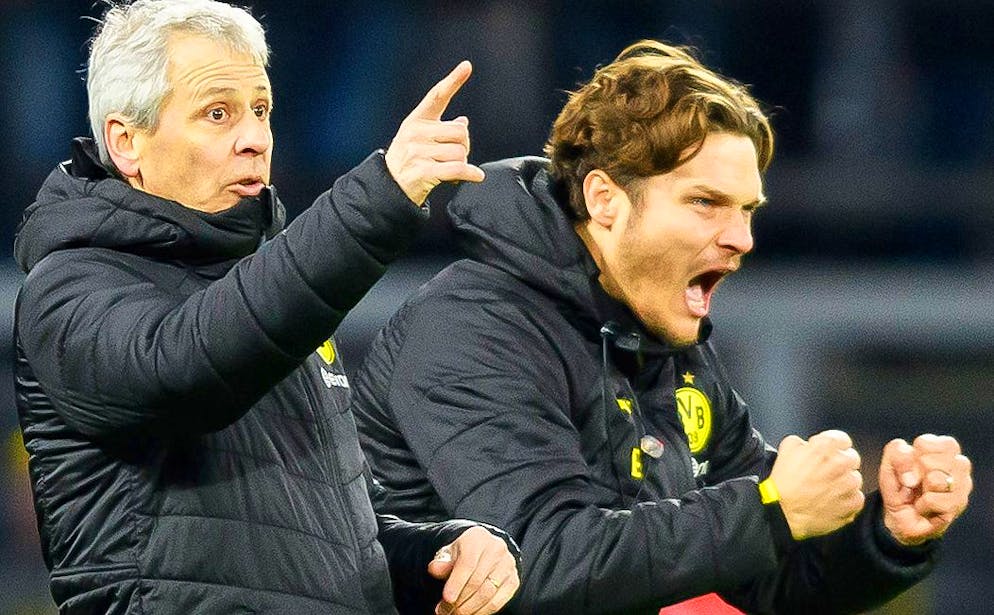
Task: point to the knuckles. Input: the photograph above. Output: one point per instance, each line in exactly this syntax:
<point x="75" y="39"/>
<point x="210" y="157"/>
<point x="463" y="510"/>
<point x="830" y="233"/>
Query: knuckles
<point x="931" y="443"/>
<point x="834" y="438"/>
<point x="964" y="463"/>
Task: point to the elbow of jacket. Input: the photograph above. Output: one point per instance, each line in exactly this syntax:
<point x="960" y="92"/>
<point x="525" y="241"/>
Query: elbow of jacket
<point x="164" y="417"/>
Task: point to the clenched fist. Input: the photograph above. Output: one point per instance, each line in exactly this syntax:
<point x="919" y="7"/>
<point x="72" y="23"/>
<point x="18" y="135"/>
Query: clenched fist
<point x="820" y="485"/>
<point x="427" y="150"/>
<point x="924" y="487"/>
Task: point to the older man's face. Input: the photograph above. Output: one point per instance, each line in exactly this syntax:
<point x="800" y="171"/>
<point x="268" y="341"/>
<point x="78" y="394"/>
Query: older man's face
<point x="213" y="145"/>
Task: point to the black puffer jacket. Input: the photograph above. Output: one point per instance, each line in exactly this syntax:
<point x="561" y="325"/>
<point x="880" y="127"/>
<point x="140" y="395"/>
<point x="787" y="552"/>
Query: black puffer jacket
<point x="512" y="389"/>
<point x="190" y="452"/>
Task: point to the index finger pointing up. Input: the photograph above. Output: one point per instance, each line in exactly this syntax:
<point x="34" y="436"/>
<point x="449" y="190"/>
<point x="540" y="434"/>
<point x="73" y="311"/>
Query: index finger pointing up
<point x="433" y="105"/>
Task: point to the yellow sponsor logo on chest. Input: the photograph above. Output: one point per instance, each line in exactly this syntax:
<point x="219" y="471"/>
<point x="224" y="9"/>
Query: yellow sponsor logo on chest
<point x="695" y="414"/>
<point x="638" y="468"/>
<point x="327" y="351"/>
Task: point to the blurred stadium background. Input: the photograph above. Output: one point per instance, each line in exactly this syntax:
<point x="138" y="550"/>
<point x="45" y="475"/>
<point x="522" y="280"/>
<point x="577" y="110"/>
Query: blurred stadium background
<point x="867" y="305"/>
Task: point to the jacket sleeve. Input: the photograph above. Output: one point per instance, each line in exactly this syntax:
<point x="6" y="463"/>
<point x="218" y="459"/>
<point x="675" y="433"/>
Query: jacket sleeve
<point x="854" y="569"/>
<point x="481" y="399"/>
<point x="121" y="356"/>
<point x="409" y="547"/>
<point x="479" y="394"/>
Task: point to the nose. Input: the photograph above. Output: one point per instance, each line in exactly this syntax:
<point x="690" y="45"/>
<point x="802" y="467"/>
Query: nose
<point x="255" y="135"/>
<point x="736" y="235"/>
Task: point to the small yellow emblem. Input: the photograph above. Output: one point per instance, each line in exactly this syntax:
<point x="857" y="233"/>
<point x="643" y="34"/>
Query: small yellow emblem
<point x="638" y="468"/>
<point x="625" y="405"/>
<point x="695" y="414"/>
<point x="327" y="351"/>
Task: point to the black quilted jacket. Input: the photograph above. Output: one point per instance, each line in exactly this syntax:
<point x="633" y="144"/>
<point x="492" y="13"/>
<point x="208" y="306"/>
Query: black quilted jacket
<point x="513" y="390"/>
<point x="190" y="451"/>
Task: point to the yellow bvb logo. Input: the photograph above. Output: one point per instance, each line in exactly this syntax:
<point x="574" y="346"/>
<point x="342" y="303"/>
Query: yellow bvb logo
<point x="327" y="351"/>
<point x="695" y="414"/>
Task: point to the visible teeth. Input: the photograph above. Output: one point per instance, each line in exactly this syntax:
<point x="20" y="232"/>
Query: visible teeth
<point x="697" y="302"/>
<point x="695" y="293"/>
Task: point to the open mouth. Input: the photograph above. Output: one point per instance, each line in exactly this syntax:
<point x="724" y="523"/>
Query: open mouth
<point x="701" y="288"/>
<point x="249" y="186"/>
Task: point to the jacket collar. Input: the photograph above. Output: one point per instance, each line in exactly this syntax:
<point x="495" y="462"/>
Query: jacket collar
<point x="83" y="204"/>
<point x="516" y="221"/>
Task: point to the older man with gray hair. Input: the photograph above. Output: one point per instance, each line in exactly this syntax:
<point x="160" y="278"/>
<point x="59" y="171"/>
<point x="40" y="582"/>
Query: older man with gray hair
<point x="181" y="399"/>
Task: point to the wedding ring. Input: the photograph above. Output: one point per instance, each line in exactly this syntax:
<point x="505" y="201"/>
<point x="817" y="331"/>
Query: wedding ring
<point x="495" y="583"/>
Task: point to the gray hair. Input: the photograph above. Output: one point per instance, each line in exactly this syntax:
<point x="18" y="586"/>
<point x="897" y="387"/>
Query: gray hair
<point x="128" y="68"/>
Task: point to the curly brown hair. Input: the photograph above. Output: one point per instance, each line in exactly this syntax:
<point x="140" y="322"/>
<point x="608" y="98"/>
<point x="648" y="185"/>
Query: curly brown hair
<point x="639" y="114"/>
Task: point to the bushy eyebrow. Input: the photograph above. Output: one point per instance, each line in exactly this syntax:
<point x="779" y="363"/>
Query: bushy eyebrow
<point x="718" y="195"/>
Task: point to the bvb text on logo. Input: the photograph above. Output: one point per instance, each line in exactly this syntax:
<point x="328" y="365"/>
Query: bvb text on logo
<point x="695" y="414"/>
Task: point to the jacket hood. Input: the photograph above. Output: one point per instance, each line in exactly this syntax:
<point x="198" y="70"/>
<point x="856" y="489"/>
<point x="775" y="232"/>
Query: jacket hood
<point x="82" y="205"/>
<point x="514" y="221"/>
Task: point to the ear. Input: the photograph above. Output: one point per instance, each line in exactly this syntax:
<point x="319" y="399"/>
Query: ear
<point x="600" y="194"/>
<point x="123" y="145"/>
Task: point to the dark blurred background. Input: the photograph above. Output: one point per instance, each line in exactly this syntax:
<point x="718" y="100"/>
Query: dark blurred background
<point x="867" y="305"/>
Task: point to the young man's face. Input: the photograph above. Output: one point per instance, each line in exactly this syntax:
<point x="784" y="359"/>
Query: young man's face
<point x="690" y="228"/>
<point x="213" y="144"/>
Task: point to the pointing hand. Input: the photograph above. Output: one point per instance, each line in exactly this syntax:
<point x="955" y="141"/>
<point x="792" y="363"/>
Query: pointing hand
<point x="428" y="150"/>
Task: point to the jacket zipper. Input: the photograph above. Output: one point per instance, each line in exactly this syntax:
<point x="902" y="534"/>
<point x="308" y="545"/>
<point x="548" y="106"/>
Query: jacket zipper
<point x="332" y="461"/>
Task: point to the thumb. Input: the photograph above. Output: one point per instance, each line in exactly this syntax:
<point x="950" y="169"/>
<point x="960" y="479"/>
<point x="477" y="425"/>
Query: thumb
<point x="898" y="464"/>
<point x="441" y="566"/>
<point x="790" y="443"/>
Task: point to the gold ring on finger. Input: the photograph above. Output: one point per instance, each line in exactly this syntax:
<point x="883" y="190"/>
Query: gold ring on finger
<point x="495" y="583"/>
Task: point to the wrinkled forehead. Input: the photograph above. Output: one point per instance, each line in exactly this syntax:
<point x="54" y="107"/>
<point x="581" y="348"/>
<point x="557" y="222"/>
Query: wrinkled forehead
<point x="197" y="64"/>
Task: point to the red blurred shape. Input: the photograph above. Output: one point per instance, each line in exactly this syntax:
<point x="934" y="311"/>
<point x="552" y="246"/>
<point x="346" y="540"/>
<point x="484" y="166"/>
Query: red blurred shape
<point x="709" y="604"/>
